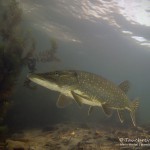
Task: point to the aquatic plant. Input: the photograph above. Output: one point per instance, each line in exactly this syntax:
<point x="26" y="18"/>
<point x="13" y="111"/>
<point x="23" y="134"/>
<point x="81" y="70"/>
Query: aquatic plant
<point x="11" y="48"/>
<point x="48" y="55"/>
<point x="17" y="49"/>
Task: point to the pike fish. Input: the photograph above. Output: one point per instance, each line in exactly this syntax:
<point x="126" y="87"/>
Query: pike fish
<point x="90" y="89"/>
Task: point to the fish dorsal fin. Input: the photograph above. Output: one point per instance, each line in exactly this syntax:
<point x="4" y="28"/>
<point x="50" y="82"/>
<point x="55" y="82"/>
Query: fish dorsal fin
<point x="78" y="98"/>
<point x="107" y="110"/>
<point x="63" y="101"/>
<point x="124" y="86"/>
<point x="120" y="115"/>
<point x="90" y="110"/>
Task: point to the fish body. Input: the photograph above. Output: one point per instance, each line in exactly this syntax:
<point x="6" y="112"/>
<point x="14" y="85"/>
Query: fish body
<point x="88" y="88"/>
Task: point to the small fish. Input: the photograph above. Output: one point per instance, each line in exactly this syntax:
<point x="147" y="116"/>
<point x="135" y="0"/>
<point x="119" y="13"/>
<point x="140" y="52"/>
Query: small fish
<point x="88" y="88"/>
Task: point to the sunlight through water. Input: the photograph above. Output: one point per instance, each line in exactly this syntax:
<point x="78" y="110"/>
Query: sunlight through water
<point x="131" y="17"/>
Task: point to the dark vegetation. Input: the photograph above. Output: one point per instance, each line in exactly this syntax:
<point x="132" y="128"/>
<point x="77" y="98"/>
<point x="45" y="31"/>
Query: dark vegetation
<point x="17" y="49"/>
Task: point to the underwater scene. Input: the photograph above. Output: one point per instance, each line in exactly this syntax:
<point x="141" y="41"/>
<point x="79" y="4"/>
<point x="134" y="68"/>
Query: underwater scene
<point x="74" y="75"/>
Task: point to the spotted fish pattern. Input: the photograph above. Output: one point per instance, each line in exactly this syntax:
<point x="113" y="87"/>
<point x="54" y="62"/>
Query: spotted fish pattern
<point x="90" y="89"/>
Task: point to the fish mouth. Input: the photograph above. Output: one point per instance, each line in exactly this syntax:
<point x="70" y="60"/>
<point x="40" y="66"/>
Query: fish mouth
<point x="39" y="76"/>
<point x="44" y="81"/>
<point x="33" y="77"/>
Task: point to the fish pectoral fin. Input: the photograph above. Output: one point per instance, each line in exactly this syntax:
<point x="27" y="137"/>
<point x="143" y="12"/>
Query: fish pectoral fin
<point x="63" y="101"/>
<point x="107" y="110"/>
<point x="90" y="110"/>
<point x="78" y="98"/>
<point x="120" y="115"/>
<point x="124" y="86"/>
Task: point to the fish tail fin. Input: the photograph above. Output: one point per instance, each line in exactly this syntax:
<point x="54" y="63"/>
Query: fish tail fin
<point x="134" y="105"/>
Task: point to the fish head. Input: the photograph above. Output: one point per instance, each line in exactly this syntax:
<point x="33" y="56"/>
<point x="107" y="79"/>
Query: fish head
<point x="55" y="80"/>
